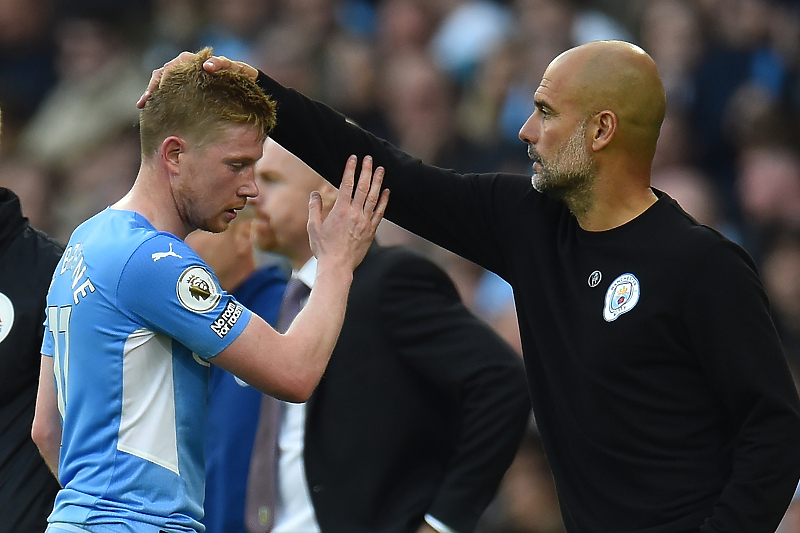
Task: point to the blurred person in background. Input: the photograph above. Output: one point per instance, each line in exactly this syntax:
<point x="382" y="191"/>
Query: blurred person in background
<point x="350" y="81"/>
<point x="693" y="191"/>
<point x="768" y="190"/>
<point x="28" y="71"/>
<point x="420" y="105"/>
<point x="34" y="187"/>
<point x="27" y="260"/>
<point x="741" y="53"/>
<point x="671" y="31"/>
<point x="233" y="26"/>
<point x="781" y="268"/>
<point x="527" y="501"/>
<point x="404" y="26"/>
<point x="173" y="27"/>
<point x="420" y="410"/>
<point x="234" y="406"/>
<point x="98" y="78"/>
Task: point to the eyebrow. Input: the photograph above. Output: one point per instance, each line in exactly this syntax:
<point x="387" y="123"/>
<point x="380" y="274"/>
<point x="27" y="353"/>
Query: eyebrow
<point x="240" y="159"/>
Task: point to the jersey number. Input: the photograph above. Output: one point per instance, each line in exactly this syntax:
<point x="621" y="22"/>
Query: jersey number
<point x="58" y="324"/>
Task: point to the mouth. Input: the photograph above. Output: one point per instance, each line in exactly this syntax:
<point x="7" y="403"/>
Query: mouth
<point x="533" y="155"/>
<point x="233" y="212"/>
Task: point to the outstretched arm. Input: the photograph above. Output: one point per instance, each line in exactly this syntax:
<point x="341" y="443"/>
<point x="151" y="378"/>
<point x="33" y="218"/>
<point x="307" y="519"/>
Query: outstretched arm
<point x="468" y="214"/>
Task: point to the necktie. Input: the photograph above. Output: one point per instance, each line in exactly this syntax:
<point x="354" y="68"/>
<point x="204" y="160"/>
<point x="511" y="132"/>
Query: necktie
<point x="262" y="486"/>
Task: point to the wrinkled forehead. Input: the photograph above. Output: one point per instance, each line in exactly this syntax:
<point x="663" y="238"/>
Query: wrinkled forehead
<point x="560" y="84"/>
<point x="278" y="162"/>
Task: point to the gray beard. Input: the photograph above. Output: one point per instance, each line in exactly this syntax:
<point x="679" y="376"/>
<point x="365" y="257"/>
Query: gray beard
<point x="574" y="185"/>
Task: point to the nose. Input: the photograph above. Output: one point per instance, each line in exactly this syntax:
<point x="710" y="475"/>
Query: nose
<point x="250" y="187"/>
<point x="528" y="132"/>
<point x="260" y="197"/>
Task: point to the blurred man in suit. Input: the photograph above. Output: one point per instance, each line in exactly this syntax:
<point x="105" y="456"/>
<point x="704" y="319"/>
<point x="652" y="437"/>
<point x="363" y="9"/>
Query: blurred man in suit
<point x="422" y="406"/>
<point x="233" y="406"/>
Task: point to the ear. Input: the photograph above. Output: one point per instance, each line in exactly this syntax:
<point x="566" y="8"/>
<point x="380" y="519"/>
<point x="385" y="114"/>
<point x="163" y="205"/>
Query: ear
<point x="170" y="152"/>
<point x="603" y="127"/>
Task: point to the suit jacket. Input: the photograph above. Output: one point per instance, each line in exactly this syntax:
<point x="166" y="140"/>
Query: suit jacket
<point x="420" y="410"/>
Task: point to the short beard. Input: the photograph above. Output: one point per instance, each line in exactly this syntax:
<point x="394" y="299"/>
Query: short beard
<point x="571" y="175"/>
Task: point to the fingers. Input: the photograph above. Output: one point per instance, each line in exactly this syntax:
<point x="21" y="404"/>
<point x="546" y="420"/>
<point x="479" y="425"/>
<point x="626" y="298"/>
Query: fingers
<point x="155" y="80"/>
<point x="212" y="64"/>
<point x="368" y="189"/>
<point x="363" y="186"/>
<point x="314" y="211"/>
<point x="374" y="190"/>
<point x="216" y="63"/>
<point x="368" y="197"/>
<point x="158" y="75"/>
<point x="380" y="209"/>
<point x="348" y="177"/>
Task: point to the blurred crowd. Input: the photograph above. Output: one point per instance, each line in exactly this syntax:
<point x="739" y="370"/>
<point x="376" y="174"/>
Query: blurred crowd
<point x="450" y="81"/>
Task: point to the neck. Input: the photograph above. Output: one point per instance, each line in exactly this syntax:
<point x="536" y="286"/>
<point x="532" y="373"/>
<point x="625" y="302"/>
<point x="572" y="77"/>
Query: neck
<point x="154" y="203"/>
<point x="232" y="279"/>
<point x="614" y="210"/>
<point x="300" y="259"/>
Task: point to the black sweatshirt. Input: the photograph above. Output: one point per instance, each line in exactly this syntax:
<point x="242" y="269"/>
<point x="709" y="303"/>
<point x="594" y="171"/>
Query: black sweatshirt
<point x="27" y="260"/>
<point x="658" y="382"/>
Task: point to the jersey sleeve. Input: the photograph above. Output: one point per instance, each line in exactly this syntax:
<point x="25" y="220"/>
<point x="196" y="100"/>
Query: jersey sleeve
<point x="47" y="341"/>
<point x="170" y="290"/>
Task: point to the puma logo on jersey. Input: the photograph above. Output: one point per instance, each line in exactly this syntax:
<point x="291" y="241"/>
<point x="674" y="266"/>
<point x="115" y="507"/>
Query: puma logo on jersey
<point x="161" y="255"/>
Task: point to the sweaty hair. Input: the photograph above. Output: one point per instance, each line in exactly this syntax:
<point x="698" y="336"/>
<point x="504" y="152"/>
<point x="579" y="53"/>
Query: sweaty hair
<point x="194" y="104"/>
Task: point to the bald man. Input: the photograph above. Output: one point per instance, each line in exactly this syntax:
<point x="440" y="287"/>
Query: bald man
<point x="659" y="385"/>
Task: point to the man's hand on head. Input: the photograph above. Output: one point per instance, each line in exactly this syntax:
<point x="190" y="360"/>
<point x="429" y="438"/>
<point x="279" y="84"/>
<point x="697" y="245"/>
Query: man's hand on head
<point x="212" y="64"/>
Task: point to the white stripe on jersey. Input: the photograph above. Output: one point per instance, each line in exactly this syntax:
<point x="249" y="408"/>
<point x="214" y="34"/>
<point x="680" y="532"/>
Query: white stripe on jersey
<point x="147" y="426"/>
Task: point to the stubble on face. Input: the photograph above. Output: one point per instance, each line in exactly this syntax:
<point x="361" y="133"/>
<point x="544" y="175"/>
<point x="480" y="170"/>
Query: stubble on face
<point x="570" y="175"/>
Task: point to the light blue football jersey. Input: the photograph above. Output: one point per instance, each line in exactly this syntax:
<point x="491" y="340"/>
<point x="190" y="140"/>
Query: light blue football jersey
<point x="133" y="314"/>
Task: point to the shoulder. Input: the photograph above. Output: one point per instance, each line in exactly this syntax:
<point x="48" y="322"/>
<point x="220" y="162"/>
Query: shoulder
<point x="403" y="262"/>
<point x="708" y="245"/>
<point x="707" y="258"/>
<point x="399" y="279"/>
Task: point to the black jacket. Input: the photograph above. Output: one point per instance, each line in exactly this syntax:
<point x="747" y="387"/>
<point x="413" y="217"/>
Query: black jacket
<point x="420" y="410"/>
<point x="27" y="260"/>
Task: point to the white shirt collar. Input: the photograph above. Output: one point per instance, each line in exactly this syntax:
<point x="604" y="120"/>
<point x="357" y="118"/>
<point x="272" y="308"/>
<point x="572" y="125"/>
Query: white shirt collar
<point x="307" y="273"/>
